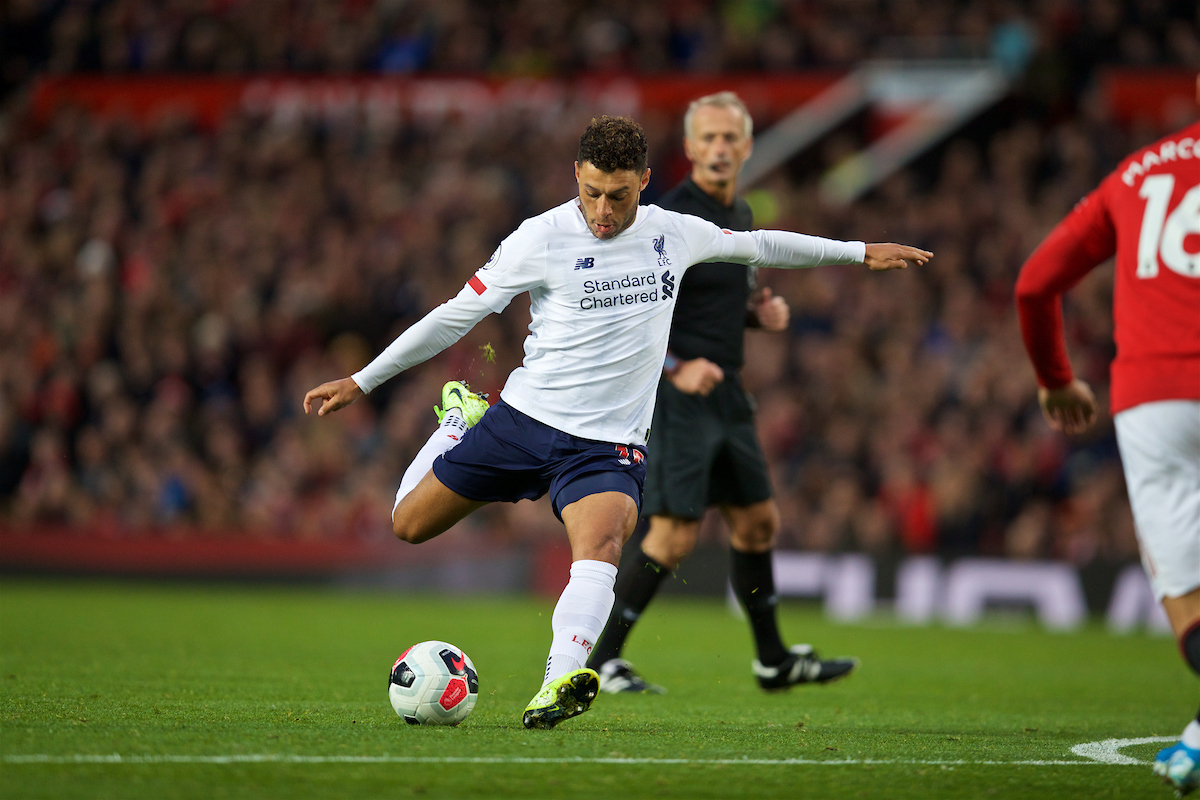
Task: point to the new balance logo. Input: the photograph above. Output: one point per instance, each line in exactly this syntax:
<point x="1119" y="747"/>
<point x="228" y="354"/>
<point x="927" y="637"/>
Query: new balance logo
<point x="585" y="263"/>
<point x="660" y="246"/>
<point x="668" y="284"/>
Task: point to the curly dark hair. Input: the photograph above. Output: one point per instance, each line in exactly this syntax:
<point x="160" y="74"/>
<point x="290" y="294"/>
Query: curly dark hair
<point x="613" y="143"/>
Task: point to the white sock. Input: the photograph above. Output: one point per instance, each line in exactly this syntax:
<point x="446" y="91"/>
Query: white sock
<point x="1191" y="735"/>
<point x="448" y="434"/>
<point x="579" y="617"/>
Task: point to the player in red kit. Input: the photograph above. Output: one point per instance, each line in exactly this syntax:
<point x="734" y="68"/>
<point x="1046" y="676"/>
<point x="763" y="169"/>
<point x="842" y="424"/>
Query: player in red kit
<point x="1147" y="214"/>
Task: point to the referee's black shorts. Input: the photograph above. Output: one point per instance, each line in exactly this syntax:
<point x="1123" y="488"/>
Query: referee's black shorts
<point x="704" y="452"/>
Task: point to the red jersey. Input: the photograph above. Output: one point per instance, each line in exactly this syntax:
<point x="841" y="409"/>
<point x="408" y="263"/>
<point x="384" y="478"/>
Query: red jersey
<point x="1147" y="212"/>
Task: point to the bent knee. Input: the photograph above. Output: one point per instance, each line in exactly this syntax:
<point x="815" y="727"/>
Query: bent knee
<point x="609" y="551"/>
<point x="401" y="529"/>
<point x="755" y="534"/>
<point x="751" y="539"/>
<point x="679" y="548"/>
<point x="670" y="540"/>
<point x="406" y="531"/>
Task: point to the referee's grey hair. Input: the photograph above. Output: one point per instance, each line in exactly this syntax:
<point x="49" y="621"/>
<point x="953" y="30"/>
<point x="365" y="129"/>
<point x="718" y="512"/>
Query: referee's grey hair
<point x="718" y="100"/>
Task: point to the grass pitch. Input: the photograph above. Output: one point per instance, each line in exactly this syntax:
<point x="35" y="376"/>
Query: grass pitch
<point x="247" y="692"/>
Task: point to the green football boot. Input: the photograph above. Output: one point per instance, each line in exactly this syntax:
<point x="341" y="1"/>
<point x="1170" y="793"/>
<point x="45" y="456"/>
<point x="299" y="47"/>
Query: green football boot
<point x="562" y="698"/>
<point x="457" y="394"/>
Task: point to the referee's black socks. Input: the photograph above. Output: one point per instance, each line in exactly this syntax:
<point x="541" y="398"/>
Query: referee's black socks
<point x="635" y="589"/>
<point x="754" y="584"/>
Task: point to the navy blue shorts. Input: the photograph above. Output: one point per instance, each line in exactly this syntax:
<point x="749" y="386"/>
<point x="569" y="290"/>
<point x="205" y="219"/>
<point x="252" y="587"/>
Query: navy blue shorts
<point x="509" y="456"/>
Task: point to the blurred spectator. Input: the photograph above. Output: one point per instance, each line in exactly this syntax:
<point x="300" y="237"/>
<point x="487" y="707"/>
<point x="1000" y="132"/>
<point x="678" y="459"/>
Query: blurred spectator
<point x="167" y="295"/>
<point x="1066" y="38"/>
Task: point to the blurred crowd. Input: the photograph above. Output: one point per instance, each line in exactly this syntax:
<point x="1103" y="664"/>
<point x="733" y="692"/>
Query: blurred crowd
<point x="168" y="294"/>
<point x="555" y="37"/>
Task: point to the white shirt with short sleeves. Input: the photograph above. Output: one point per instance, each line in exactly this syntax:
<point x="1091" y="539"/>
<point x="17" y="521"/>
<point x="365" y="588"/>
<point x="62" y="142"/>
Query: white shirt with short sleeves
<point x="601" y="311"/>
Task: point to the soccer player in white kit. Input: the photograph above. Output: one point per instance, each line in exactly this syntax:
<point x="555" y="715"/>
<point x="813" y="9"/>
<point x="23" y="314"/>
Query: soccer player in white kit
<point x="574" y="419"/>
<point x="1147" y="214"/>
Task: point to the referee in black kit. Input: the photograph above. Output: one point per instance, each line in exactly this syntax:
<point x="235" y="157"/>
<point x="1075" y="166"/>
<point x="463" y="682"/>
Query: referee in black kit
<point x="704" y="450"/>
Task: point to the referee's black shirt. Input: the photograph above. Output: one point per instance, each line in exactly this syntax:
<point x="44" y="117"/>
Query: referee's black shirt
<point x="710" y="313"/>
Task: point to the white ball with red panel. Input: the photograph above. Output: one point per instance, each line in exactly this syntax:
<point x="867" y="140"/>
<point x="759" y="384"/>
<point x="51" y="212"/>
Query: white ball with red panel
<point x="433" y="683"/>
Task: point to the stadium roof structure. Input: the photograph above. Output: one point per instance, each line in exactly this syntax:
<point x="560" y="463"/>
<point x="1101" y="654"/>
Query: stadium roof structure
<point x="923" y="102"/>
<point x="932" y="99"/>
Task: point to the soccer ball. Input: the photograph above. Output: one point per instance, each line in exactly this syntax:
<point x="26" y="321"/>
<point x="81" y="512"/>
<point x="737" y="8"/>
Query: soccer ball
<point x="433" y="683"/>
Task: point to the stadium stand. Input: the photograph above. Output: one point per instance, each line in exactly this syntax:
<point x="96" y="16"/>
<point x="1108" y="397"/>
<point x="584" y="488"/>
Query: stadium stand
<point x="168" y="290"/>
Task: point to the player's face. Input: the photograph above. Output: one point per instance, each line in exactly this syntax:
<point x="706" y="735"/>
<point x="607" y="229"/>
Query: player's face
<point x="717" y="145"/>
<point x="609" y="199"/>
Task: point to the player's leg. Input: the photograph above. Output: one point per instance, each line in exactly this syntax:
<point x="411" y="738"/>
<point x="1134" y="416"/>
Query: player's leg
<point x="687" y="436"/>
<point x="752" y="531"/>
<point x="429" y="509"/>
<point x="596" y="491"/>
<point x="668" y="541"/>
<point x="1180" y="764"/>
<point x="1160" y="453"/>
<point x="424" y="506"/>
<point x="742" y="487"/>
<point x="597" y="526"/>
<point x="1184" y="614"/>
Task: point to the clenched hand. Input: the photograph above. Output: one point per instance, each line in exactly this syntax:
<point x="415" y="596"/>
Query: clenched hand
<point x="697" y="376"/>
<point x="1071" y="408"/>
<point x="772" y="312"/>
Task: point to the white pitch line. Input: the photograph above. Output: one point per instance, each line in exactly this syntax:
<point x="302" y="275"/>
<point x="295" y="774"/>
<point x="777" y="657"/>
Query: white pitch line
<point x="1102" y="753"/>
<point x="1108" y="751"/>
<point x="116" y="758"/>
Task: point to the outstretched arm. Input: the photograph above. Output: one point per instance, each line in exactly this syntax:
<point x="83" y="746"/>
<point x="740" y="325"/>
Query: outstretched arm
<point x="515" y="267"/>
<point x="787" y="250"/>
<point x="439" y="329"/>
